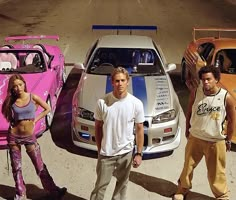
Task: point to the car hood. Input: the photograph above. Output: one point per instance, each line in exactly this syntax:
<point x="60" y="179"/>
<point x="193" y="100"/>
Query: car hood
<point x="32" y="80"/>
<point x="153" y="91"/>
<point x="227" y="81"/>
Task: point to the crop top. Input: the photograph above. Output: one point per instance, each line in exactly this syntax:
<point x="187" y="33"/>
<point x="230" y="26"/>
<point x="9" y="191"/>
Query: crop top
<point x="24" y="112"/>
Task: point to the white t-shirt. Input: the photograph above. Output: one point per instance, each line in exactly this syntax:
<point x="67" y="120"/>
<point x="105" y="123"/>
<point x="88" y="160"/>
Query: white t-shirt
<point x="118" y="116"/>
<point x="208" y="115"/>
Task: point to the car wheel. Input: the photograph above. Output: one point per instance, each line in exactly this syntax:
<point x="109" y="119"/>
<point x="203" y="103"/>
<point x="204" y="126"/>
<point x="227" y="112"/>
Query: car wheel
<point x="49" y="116"/>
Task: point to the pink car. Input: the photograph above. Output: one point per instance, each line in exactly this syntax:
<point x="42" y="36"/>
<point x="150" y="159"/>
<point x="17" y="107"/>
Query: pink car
<point x="43" y="68"/>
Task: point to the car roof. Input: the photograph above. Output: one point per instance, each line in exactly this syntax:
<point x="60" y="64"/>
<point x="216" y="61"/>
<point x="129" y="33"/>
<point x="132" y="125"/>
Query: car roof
<point x="222" y="43"/>
<point x="125" y="41"/>
<point x="225" y="43"/>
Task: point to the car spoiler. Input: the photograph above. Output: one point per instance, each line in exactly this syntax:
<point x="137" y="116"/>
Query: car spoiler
<point x="124" y="27"/>
<point x="28" y="37"/>
<point x="217" y="30"/>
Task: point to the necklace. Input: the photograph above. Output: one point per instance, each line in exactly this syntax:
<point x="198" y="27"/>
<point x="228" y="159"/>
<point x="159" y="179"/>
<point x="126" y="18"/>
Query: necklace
<point x="208" y="107"/>
<point x="209" y="93"/>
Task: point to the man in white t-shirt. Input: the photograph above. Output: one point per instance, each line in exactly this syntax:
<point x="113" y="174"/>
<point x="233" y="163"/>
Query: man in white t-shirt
<point x="115" y="117"/>
<point x="209" y="108"/>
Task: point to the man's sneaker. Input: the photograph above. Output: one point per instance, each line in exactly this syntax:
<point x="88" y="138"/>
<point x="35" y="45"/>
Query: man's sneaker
<point x="178" y="197"/>
<point x="181" y="193"/>
<point x="58" y="193"/>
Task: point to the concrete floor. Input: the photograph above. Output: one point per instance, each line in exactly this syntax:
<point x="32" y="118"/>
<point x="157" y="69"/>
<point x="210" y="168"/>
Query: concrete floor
<point x="72" y="21"/>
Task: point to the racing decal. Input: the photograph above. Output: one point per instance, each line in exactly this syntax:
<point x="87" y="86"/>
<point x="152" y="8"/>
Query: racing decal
<point x="162" y="95"/>
<point x="3" y="84"/>
<point x="108" y="85"/>
<point x="139" y="89"/>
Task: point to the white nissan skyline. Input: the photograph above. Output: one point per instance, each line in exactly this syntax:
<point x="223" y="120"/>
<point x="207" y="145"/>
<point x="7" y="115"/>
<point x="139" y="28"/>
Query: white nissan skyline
<point x="149" y="81"/>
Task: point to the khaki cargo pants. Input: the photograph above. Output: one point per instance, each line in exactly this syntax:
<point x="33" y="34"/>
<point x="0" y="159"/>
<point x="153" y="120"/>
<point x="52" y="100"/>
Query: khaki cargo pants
<point x="215" y="158"/>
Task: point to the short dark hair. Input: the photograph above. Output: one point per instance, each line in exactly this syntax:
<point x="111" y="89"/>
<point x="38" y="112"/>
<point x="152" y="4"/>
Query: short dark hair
<point x="209" y="69"/>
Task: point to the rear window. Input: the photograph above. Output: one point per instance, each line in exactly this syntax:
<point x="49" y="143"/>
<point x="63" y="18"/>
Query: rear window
<point x="226" y="60"/>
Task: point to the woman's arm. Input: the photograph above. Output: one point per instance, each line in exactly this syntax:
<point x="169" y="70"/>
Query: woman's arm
<point x="39" y="102"/>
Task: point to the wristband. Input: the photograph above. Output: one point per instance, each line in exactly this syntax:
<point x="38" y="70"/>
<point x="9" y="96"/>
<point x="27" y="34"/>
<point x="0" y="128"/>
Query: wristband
<point x="138" y="154"/>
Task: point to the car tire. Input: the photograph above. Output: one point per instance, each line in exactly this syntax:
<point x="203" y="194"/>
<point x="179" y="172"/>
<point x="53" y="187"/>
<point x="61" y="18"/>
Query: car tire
<point x="49" y="116"/>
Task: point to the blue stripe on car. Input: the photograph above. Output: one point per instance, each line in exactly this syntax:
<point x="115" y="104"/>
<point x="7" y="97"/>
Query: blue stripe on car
<point x="108" y="85"/>
<point x="139" y="89"/>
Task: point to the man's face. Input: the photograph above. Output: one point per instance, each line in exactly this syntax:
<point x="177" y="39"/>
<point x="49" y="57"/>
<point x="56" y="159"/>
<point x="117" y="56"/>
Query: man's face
<point x="208" y="81"/>
<point x="120" y="84"/>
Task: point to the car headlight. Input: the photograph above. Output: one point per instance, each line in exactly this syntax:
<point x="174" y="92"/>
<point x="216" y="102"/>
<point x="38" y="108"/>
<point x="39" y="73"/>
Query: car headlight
<point x="85" y="114"/>
<point x="164" y="117"/>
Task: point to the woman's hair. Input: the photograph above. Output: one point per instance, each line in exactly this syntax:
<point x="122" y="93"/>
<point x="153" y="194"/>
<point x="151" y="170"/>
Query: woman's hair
<point x="119" y="70"/>
<point x="11" y="97"/>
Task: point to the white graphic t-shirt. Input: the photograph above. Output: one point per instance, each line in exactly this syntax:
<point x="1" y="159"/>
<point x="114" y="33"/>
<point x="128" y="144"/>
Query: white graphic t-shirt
<point x="208" y="115"/>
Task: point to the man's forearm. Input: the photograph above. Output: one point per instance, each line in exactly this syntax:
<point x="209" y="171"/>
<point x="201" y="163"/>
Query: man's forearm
<point x="98" y="137"/>
<point x="230" y="130"/>
<point x="139" y="138"/>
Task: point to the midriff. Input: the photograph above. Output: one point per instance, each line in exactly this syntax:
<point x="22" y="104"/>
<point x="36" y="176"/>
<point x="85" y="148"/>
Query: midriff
<point x="23" y="127"/>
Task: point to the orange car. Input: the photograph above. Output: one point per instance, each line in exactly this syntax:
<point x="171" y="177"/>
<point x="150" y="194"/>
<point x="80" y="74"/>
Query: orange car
<point x="212" y="47"/>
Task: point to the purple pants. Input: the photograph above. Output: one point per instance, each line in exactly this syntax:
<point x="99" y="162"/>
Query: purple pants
<point x="35" y="156"/>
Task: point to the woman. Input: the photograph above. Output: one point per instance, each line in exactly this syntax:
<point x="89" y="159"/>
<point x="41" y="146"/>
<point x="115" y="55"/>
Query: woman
<point x="19" y="108"/>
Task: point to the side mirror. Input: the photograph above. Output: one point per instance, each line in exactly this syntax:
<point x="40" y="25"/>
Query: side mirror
<point x="79" y="66"/>
<point x="170" y="67"/>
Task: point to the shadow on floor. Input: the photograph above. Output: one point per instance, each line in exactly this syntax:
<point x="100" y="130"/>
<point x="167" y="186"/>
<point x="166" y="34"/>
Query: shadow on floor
<point x="61" y="126"/>
<point x="33" y="192"/>
<point x="161" y="186"/>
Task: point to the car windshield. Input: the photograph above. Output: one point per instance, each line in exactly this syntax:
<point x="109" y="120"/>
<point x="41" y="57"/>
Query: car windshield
<point x="226" y="60"/>
<point x="136" y="61"/>
<point x="21" y="61"/>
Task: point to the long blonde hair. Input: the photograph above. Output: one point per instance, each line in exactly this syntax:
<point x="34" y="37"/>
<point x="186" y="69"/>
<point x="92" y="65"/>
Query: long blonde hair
<point x="11" y="97"/>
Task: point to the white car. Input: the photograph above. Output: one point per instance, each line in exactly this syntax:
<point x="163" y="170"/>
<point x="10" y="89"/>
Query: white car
<point x="149" y="81"/>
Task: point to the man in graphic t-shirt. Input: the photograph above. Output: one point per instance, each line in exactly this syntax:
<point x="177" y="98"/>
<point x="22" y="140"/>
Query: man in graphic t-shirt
<point x="209" y="107"/>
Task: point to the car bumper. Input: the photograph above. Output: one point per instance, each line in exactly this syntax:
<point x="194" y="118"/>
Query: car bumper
<point x="166" y="146"/>
<point x="155" y="141"/>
